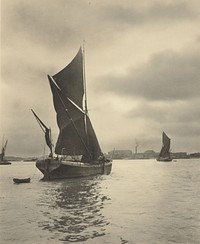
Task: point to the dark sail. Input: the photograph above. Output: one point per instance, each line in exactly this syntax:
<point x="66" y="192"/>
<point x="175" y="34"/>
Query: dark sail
<point x="93" y="143"/>
<point x="77" y="136"/>
<point x="164" y="153"/>
<point x="3" y="151"/>
<point x="70" y="80"/>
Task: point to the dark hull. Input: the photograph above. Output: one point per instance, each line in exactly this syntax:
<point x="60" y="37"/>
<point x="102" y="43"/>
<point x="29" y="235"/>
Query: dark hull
<point x="57" y="169"/>
<point x="5" y="163"/>
<point x="164" y="159"/>
<point x="18" y="181"/>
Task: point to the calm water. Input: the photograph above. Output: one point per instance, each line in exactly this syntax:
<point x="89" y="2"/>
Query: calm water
<point x="140" y="202"/>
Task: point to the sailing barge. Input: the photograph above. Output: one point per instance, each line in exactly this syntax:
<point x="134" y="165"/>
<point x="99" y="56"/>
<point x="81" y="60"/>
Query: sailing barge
<point x="3" y="160"/>
<point x="77" y="148"/>
<point x="164" y="154"/>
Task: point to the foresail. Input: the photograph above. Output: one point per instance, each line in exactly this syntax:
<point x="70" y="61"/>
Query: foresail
<point x="70" y="80"/>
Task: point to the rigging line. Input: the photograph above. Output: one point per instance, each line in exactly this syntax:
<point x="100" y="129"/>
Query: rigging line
<point x="51" y="80"/>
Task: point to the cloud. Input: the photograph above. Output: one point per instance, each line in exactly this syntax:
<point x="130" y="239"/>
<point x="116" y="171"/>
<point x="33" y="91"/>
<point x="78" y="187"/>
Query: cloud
<point x="48" y="24"/>
<point x="43" y="22"/>
<point x="168" y="75"/>
<point x="169" y="112"/>
<point x="156" y="12"/>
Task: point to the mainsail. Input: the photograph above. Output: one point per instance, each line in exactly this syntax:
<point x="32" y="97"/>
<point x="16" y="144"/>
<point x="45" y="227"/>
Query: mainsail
<point x="77" y="136"/>
<point x="165" y="150"/>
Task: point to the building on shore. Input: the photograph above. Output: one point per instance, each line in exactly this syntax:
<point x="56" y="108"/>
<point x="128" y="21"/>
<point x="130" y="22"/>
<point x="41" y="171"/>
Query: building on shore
<point x="148" y="154"/>
<point x="120" y="154"/>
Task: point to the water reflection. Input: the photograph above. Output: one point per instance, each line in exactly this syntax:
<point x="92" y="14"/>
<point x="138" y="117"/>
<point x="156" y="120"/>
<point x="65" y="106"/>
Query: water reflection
<point x="74" y="209"/>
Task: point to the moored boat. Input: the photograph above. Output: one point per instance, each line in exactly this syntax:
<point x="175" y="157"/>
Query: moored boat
<point x="24" y="180"/>
<point x="77" y="148"/>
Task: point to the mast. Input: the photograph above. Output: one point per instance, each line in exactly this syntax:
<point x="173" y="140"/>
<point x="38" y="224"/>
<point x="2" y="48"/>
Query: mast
<point x="84" y="79"/>
<point x="85" y="92"/>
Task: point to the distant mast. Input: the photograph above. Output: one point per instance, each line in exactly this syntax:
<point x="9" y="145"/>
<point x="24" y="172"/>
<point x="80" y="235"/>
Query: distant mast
<point x="136" y="147"/>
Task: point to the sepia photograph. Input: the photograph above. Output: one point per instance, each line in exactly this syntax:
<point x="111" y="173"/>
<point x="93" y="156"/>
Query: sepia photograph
<point x="100" y="122"/>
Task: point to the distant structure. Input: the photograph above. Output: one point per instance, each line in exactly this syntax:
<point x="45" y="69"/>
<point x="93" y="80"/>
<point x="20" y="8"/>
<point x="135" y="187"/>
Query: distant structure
<point x="120" y="154"/>
<point x="148" y="154"/>
<point x="136" y="147"/>
<point x="145" y="155"/>
<point x="195" y="155"/>
<point x="180" y="155"/>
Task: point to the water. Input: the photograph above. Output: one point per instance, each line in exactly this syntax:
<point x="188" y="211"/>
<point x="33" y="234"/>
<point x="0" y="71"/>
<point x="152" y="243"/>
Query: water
<point x="142" y="201"/>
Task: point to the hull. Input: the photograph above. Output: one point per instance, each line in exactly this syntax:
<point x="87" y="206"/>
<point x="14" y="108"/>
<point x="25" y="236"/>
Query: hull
<point x="164" y="159"/>
<point x="60" y="169"/>
<point x="5" y="163"/>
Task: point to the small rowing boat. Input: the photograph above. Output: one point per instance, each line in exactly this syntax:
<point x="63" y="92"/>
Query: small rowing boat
<point x="18" y="181"/>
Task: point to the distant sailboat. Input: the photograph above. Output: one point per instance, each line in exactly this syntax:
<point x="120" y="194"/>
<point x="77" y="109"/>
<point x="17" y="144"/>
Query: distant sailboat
<point x="3" y="161"/>
<point x="77" y="148"/>
<point x="164" y="154"/>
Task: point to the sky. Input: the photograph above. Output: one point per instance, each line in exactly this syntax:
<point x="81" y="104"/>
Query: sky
<point x="142" y="61"/>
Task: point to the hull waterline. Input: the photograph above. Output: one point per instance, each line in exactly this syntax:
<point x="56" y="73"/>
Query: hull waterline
<point x="164" y="159"/>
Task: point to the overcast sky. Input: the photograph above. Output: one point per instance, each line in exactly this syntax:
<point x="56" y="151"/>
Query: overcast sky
<point x="142" y="70"/>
